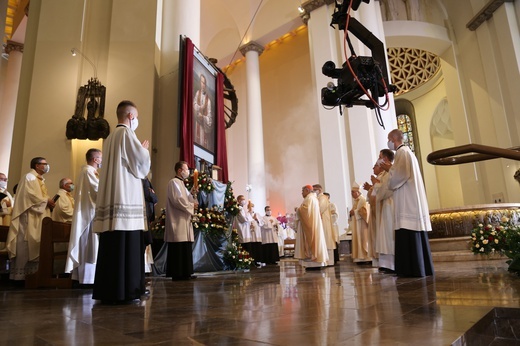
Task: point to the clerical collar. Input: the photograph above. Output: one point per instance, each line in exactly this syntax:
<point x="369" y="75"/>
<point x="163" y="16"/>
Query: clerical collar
<point x="402" y="145"/>
<point x="179" y="177"/>
<point x="121" y="125"/>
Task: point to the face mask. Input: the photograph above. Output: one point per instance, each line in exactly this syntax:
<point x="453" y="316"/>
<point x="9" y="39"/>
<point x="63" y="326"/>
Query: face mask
<point x="71" y="187"/>
<point x="99" y="165"/>
<point x="268" y="213"/>
<point x="3" y="184"/>
<point x="380" y="161"/>
<point x="243" y="203"/>
<point x="134" y="123"/>
<point x="185" y="174"/>
<point x="391" y="145"/>
<point x="46" y="168"/>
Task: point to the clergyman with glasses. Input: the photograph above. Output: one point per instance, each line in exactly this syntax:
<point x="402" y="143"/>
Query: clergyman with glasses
<point x="31" y="205"/>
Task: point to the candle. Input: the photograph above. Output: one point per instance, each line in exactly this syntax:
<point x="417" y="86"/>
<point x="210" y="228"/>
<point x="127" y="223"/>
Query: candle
<point x="195" y="178"/>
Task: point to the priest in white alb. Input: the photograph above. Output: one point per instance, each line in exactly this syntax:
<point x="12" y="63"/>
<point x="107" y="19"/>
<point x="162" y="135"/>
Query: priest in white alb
<point x="83" y="245"/>
<point x="31" y="205"/>
<point x="64" y="209"/>
<point x="326" y="219"/>
<point x="311" y="245"/>
<point x="361" y="247"/>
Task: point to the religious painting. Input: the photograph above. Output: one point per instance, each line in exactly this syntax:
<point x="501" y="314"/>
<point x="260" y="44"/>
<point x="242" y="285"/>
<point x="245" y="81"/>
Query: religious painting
<point x="204" y="107"/>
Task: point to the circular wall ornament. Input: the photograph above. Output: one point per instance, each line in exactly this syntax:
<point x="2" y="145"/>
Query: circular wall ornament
<point x="410" y="68"/>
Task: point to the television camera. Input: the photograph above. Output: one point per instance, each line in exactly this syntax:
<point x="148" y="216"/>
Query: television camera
<point x="359" y="74"/>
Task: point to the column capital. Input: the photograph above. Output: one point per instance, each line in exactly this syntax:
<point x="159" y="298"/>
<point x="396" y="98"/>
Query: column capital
<point x="251" y="46"/>
<point x="310" y="6"/>
<point x="13" y="46"/>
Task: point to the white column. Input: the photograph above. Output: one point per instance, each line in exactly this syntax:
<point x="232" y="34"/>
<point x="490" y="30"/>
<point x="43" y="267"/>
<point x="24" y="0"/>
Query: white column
<point x="8" y="106"/>
<point x="255" y="133"/>
<point x="334" y="171"/>
<point x="175" y="18"/>
<point x="367" y="136"/>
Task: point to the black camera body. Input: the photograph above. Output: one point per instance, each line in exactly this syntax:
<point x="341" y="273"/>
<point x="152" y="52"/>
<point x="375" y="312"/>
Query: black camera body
<point x="348" y="91"/>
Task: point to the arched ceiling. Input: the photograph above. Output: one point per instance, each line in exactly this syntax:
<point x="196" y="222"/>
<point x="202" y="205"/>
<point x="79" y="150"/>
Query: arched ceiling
<point x="226" y="22"/>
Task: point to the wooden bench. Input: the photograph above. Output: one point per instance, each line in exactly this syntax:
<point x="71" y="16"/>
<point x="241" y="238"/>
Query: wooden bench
<point x="289" y="246"/>
<point x="52" y="233"/>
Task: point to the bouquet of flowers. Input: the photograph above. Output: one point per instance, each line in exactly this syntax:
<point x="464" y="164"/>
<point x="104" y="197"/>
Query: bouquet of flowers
<point x="157" y="226"/>
<point x="211" y="221"/>
<point x="205" y="183"/>
<point x="488" y="239"/>
<point x="236" y="257"/>
<point x="230" y="203"/>
<point x="282" y="219"/>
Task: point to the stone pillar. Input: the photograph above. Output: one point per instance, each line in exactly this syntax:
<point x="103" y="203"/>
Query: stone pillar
<point x="255" y="133"/>
<point x="8" y="106"/>
<point x="178" y="18"/>
<point x="334" y="170"/>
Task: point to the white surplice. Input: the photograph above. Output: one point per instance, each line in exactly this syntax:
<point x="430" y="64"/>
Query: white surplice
<point x="242" y="223"/>
<point x="120" y="201"/>
<point x="411" y="205"/>
<point x="270" y="229"/>
<point x="83" y="245"/>
<point x="179" y="210"/>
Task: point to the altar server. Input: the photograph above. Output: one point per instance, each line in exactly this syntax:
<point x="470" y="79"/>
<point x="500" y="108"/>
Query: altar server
<point x="83" y="245"/>
<point x="120" y="211"/>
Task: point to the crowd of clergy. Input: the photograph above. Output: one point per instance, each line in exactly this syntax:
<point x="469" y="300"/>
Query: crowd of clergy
<point x="388" y="227"/>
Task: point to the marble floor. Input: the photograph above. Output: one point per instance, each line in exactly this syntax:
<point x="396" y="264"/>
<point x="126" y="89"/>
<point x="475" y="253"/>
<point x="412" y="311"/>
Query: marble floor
<point x="276" y="305"/>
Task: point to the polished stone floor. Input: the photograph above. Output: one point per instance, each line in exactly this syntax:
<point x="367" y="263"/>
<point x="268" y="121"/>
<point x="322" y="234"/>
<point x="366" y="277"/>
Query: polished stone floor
<point x="276" y="305"/>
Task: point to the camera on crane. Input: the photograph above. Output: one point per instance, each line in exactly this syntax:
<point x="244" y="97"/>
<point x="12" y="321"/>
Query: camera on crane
<point x="359" y="75"/>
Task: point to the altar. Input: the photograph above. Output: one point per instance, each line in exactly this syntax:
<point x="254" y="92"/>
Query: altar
<point x="212" y="227"/>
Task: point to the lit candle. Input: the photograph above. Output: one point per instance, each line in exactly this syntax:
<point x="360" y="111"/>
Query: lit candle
<point x="195" y="178"/>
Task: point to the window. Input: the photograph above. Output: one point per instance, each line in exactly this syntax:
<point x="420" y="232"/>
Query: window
<point x="404" y="123"/>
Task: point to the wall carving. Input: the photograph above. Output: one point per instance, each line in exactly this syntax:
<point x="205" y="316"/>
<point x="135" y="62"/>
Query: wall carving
<point x="411" y="68"/>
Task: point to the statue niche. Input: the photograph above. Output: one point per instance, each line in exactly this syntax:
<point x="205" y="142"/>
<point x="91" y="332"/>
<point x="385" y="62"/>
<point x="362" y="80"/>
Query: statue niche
<point x="91" y="99"/>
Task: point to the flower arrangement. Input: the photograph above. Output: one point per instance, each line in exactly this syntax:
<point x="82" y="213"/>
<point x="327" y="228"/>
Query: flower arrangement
<point x="488" y="239"/>
<point x="504" y="239"/>
<point x="230" y="203"/>
<point x="282" y="219"/>
<point x="211" y="221"/>
<point x="157" y="226"/>
<point x="235" y="256"/>
<point x="205" y="183"/>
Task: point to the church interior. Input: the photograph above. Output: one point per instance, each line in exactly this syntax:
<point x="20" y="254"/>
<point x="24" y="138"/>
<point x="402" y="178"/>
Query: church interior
<point x="455" y="67"/>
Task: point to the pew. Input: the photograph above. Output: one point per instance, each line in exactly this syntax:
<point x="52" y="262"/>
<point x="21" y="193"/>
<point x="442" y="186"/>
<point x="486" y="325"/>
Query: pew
<point x="289" y="245"/>
<point x="4" y="256"/>
<point x="52" y="233"/>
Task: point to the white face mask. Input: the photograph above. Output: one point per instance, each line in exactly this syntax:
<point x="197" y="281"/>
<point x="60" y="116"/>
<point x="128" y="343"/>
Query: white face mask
<point x="134" y="123"/>
<point x="185" y="174"/>
<point x="391" y="145"/>
<point x="243" y="203"/>
<point x="268" y="213"/>
<point x="3" y="184"/>
<point x="46" y="168"/>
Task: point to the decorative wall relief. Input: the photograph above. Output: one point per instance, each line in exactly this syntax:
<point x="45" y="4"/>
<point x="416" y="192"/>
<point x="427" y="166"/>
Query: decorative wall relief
<point x="90" y="100"/>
